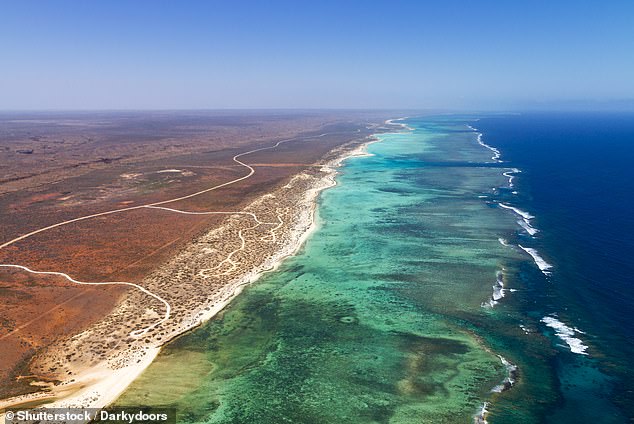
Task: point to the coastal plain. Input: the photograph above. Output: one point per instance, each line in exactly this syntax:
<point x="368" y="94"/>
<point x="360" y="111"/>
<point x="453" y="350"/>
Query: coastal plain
<point x="140" y="226"/>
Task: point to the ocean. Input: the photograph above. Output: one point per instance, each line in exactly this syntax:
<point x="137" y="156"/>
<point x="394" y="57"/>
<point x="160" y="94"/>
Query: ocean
<point x="469" y="268"/>
<point x="576" y="181"/>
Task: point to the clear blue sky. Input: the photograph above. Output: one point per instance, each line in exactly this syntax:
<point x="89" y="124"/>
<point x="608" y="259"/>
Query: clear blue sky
<point x="370" y="54"/>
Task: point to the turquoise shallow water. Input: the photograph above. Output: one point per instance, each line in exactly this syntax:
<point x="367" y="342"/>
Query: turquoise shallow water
<point x="385" y="315"/>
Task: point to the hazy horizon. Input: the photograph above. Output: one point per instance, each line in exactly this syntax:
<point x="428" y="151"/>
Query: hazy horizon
<point x="493" y="55"/>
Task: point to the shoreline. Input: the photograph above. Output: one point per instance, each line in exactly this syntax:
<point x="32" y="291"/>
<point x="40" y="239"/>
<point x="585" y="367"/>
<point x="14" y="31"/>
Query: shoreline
<point x="99" y="385"/>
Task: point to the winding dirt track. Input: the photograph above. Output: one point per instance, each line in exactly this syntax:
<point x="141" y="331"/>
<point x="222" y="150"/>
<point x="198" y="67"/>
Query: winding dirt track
<point x="136" y="333"/>
<point x="157" y="205"/>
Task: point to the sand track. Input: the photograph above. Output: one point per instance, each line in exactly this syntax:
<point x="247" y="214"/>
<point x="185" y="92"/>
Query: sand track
<point x="136" y="333"/>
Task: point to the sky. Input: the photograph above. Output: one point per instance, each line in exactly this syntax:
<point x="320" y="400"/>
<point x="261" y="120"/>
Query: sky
<point x="315" y="54"/>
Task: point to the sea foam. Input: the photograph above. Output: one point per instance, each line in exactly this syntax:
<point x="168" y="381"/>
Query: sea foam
<point x="498" y="291"/>
<point x="520" y="212"/>
<point x="567" y="334"/>
<point x="511" y="376"/>
<point x="525" y="221"/>
<point x="543" y="266"/>
<point x="525" y="224"/>
<point x="510" y="175"/>
<point x="481" y="416"/>
<point x="496" y="152"/>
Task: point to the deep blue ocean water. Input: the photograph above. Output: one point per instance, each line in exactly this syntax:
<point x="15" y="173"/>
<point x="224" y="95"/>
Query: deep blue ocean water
<point x="577" y="181"/>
